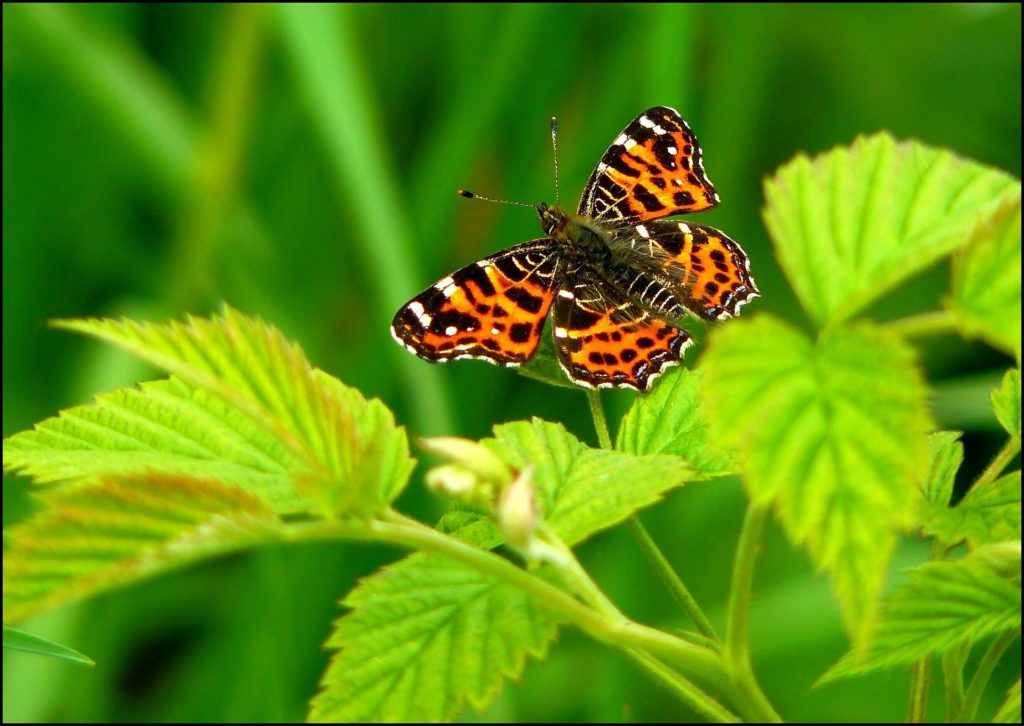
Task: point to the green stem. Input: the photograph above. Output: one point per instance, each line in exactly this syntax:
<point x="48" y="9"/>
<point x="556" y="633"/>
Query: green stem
<point x="621" y="632"/>
<point x="584" y="585"/>
<point x="920" y="673"/>
<point x="577" y="577"/>
<point x="919" y="680"/>
<point x="683" y="688"/>
<point x="672" y="581"/>
<point x="1001" y="460"/>
<point x="600" y="423"/>
<point x="937" y="322"/>
<point x="984" y="672"/>
<point x="737" y="650"/>
<point x="953" y="677"/>
<point x="655" y="557"/>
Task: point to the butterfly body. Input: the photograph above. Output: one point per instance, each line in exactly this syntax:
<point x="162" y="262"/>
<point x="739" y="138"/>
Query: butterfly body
<point x="614" y="276"/>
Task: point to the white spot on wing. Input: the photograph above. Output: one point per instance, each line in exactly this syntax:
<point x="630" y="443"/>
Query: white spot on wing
<point x="642" y="230"/>
<point x="566" y="294"/>
<point x="672" y="150"/>
<point x="561" y="333"/>
<point x="451" y="330"/>
<point x="443" y="283"/>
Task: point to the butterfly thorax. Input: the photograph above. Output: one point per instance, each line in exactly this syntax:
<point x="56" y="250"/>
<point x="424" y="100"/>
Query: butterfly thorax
<point x="579" y="233"/>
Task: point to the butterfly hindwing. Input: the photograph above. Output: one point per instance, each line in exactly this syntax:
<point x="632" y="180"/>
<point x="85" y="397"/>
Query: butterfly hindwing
<point x="605" y="340"/>
<point x="493" y="309"/>
<point x="708" y="272"/>
<point x="653" y="169"/>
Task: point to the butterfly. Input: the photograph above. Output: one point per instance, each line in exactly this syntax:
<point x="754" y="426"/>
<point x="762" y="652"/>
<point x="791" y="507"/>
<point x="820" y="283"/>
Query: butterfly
<point x="618" y="276"/>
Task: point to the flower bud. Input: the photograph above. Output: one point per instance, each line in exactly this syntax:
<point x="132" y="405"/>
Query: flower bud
<point x="470" y="455"/>
<point x="517" y="511"/>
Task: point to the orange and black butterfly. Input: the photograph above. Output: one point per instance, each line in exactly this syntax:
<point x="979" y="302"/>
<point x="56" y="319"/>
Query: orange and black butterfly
<point x="618" y="276"/>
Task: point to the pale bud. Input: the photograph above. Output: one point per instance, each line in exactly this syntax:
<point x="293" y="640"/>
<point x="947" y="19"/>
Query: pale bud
<point x="470" y="455"/>
<point x="517" y="511"/>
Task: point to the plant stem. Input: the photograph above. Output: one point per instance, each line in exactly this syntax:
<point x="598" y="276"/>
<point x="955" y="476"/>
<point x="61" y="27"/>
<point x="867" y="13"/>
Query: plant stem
<point x="600" y="423"/>
<point x="585" y="586"/>
<point x="1001" y="460"/>
<point x="919" y="681"/>
<point x="920" y="673"/>
<point x="953" y="677"/>
<point x="672" y="581"/>
<point x="622" y="632"/>
<point x="935" y="322"/>
<point x="686" y="691"/>
<point x="578" y="578"/>
<point x="983" y="673"/>
<point x="655" y="557"/>
<point x="737" y="650"/>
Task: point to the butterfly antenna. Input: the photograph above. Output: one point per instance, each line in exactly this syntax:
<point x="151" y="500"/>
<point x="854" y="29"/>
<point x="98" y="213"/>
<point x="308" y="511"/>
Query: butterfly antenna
<point x="473" y="195"/>
<point x="554" y="148"/>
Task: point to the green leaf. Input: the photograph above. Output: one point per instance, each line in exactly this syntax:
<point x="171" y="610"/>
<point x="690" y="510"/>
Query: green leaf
<point x="166" y="426"/>
<point x="947" y="455"/>
<point x="15" y="639"/>
<point x="985" y="300"/>
<point x="833" y="434"/>
<point x="1009" y="712"/>
<point x="99" y="535"/>
<point x="581" y="490"/>
<point x="987" y="514"/>
<point x="356" y="457"/>
<point x="941" y="604"/>
<point x="852" y="223"/>
<point x="1006" y="402"/>
<point x="670" y="420"/>
<point x="426" y="635"/>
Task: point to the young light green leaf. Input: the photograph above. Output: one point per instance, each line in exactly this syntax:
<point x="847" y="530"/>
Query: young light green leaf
<point x="850" y="224"/>
<point x="358" y="459"/>
<point x="985" y="300"/>
<point x="670" y="420"/>
<point x="426" y="635"/>
<point x="582" y="490"/>
<point x="941" y="604"/>
<point x="947" y="454"/>
<point x="15" y="639"/>
<point x="987" y="514"/>
<point x="1006" y="402"/>
<point x="166" y="426"/>
<point x="99" y="535"/>
<point x="1009" y="712"/>
<point x="833" y="433"/>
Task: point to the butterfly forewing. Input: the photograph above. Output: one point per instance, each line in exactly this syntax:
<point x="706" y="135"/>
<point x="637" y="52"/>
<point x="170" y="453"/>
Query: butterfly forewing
<point x="493" y="309"/>
<point x="708" y="272"/>
<point x="653" y="169"/>
<point x="604" y="339"/>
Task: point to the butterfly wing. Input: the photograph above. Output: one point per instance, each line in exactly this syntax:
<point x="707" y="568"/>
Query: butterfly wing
<point x="653" y="169"/>
<point x="605" y="340"/>
<point x="708" y="272"/>
<point x="493" y="309"/>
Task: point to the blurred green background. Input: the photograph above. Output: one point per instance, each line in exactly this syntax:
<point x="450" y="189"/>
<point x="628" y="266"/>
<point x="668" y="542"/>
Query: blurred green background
<point x="301" y="163"/>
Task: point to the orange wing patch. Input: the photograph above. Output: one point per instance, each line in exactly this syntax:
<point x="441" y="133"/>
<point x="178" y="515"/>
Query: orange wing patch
<point x="708" y="272"/>
<point x="653" y="169"/>
<point x="605" y="343"/>
<point x="493" y="310"/>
